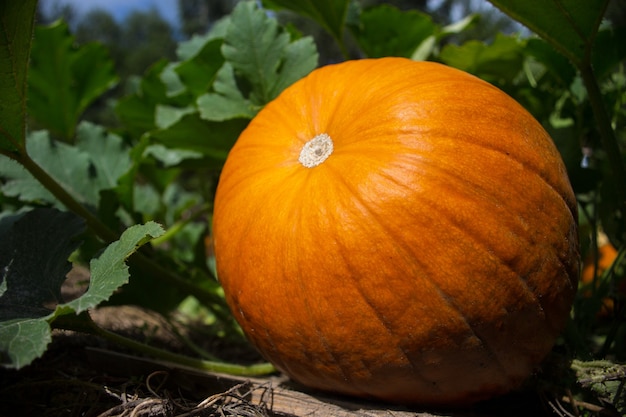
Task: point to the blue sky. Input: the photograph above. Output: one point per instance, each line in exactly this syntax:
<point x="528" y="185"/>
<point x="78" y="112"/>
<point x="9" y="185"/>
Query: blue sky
<point x="120" y="8"/>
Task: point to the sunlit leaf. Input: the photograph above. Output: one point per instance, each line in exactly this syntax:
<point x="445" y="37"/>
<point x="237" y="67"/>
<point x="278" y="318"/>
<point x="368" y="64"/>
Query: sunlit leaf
<point x="227" y="102"/>
<point x="109" y="271"/>
<point x="259" y="50"/>
<point x="165" y="116"/>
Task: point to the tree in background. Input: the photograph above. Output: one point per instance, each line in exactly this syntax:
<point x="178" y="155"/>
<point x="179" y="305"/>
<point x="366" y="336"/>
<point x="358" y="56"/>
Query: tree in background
<point x="197" y="16"/>
<point x="135" y="43"/>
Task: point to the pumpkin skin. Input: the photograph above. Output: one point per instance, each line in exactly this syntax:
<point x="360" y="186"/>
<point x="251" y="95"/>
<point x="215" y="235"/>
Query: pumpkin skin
<point x="432" y="258"/>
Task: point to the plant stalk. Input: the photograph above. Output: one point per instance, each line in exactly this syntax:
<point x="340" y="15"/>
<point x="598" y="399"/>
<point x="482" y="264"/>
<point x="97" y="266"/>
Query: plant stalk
<point x="85" y="324"/>
<point x="607" y="136"/>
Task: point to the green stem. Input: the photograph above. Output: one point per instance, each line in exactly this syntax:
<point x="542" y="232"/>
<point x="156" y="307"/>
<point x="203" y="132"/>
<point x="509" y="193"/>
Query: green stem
<point x="609" y="141"/>
<point x="342" y="48"/>
<point x="85" y="324"/>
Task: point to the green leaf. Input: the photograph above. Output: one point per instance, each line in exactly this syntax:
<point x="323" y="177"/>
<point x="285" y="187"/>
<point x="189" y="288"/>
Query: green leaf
<point x="299" y="58"/>
<point x="330" y="14"/>
<point x="212" y="139"/>
<point x="165" y="116"/>
<point x="23" y="341"/>
<point x="138" y="111"/>
<point x="107" y="152"/>
<point x="64" y="79"/>
<point x="215" y="107"/>
<point x="227" y="102"/>
<point x="169" y="157"/>
<point x="174" y="87"/>
<point x="25" y="305"/>
<point x="109" y="271"/>
<point x="429" y="45"/>
<point x="198" y="72"/>
<point x="555" y="62"/>
<point x="127" y="182"/>
<point x="18" y="183"/>
<point x="502" y="60"/>
<point x="137" y="114"/>
<point x="609" y="50"/>
<point x="386" y="30"/>
<point x="459" y="26"/>
<point x="65" y="163"/>
<point x="96" y="163"/>
<point x="16" y="34"/>
<point x="33" y="261"/>
<point x="261" y="52"/>
<point x="568" y="25"/>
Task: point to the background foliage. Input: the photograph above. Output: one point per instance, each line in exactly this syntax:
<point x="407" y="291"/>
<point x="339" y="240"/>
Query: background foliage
<point x="113" y="143"/>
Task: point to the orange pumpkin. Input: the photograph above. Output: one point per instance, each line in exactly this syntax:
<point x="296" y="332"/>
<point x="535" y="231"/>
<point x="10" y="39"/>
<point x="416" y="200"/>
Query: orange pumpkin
<point x="595" y="264"/>
<point x="398" y="230"/>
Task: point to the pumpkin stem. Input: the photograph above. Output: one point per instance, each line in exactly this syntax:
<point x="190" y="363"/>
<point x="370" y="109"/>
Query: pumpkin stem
<point x="316" y="151"/>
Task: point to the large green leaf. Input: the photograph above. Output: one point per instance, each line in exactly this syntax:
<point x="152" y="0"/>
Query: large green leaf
<point x="262" y="53"/>
<point x="34" y="248"/>
<point x="16" y="33"/>
<point x="33" y="261"/>
<point x="31" y="299"/>
<point x="330" y="14"/>
<point x="64" y="79"/>
<point x="94" y="164"/>
<point x="569" y="25"/>
<point x="109" y="271"/>
<point x="385" y="30"/>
